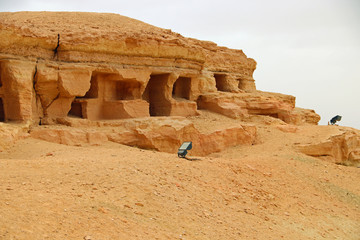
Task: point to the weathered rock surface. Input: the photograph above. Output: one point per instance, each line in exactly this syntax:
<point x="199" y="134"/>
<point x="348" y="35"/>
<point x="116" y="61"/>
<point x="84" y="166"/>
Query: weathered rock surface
<point x="276" y="105"/>
<point x="287" y="128"/>
<point x="236" y="105"/>
<point x="92" y="67"/>
<point x="341" y="148"/>
<point x="300" y="116"/>
<point x="9" y="134"/>
<point x="103" y="61"/>
<point x="108" y="57"/>
<point x="162" y="134"/>
<point x="95" y="37"/>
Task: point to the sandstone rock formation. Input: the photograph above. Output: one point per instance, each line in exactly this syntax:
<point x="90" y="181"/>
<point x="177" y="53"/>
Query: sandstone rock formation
<point x="276" y="105"/>
<point x="341" y="148"/>
<point x="9" y="134"/>
<point x="162" y="134"/>
<point x="59" y="65"/>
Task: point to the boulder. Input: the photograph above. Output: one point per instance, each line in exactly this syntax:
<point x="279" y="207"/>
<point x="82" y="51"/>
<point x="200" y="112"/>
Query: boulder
<point x="300" y="116"/>
<point x="342" y="148"/>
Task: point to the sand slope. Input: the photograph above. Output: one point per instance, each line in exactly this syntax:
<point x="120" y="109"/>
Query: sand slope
<point x="265" y="191"/>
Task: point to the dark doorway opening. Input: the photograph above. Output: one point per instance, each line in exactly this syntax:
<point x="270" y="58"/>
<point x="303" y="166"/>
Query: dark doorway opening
<point x="154" y="94"/>
<point x="93" y="92"/>
<point x="221" y="83"/>
<point x="181" y="88"/>
<point x="2" y="112"/>
<point x="76" y="109"/>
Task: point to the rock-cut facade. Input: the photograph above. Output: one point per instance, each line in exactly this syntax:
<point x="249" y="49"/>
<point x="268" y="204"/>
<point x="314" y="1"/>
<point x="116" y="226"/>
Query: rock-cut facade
<point x="98" y="66"/>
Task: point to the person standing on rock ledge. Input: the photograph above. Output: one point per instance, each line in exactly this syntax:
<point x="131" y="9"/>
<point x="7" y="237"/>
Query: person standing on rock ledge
<point x="335" y="119"/>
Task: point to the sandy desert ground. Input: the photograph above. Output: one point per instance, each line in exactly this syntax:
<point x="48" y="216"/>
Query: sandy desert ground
<point x="112" y="191"/>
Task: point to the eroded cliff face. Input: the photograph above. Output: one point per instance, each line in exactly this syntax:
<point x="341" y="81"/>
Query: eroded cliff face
<point x="106" y="66"/>
<point x="59" y="65"/>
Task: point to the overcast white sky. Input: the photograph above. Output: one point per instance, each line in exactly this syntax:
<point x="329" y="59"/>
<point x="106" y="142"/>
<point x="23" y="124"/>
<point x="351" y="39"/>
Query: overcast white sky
<point x="306" y="48"/>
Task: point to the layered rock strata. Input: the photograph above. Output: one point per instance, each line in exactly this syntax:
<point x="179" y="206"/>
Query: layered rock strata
<point x="94" y="66"/>
<point x="160" y="133"/>
<point x="276" y="105"/>
<point x="106" y="66"/>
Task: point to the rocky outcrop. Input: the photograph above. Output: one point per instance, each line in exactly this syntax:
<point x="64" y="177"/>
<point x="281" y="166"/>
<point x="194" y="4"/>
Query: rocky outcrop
<point x="162" y="134"/>
<point x="111" y="58"/>
<point x="299" y="116"/>
<point x="241" y="105"/>
<point x="18" y="101"/>
<point x="107" y="66"/>
<point x="236" y="105"/>
<point x="94" y="67"/>
<point x="342" y="148"/>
